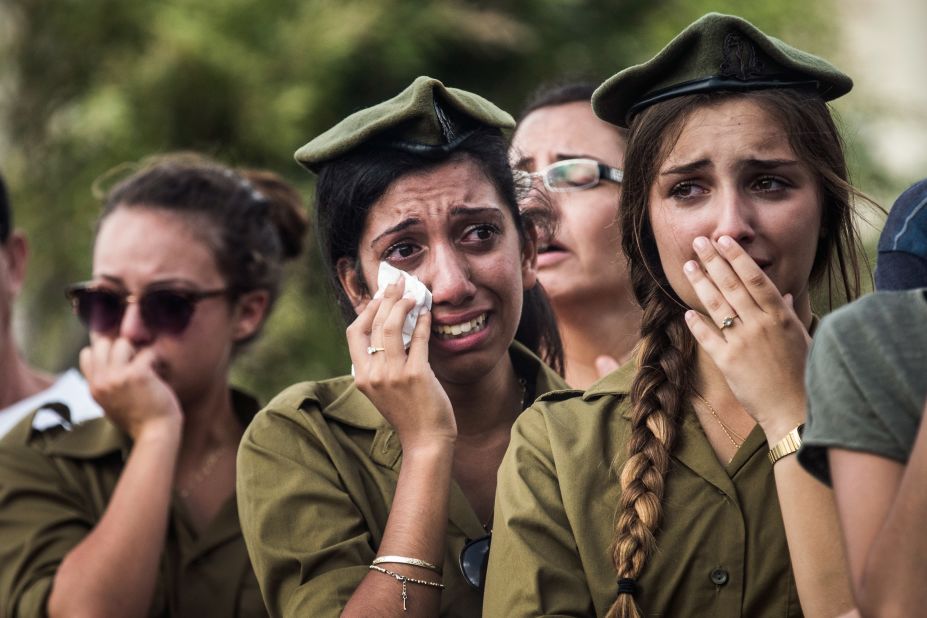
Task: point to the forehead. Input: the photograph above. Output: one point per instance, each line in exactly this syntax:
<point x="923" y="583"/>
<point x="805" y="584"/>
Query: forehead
<point x="142" y="245"/>
<point x="570" y="128"/>
<point x="733" y="128"/>
<point x="434" y="194"/>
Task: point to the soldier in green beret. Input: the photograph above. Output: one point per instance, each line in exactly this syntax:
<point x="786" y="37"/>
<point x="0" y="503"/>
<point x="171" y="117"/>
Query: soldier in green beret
<point x="669" y="488"/>
<point x="373" y="495"/>
<point x="134" y="514"/>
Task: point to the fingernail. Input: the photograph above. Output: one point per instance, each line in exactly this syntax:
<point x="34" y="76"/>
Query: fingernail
<point x="691" y="266"/>
<point x="690" y="315"/>
<point x="726" y="241"/>
<point x="701" y="243"/>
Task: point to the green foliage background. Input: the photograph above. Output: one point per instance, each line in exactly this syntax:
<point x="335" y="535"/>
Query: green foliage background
<point x="86" y="85"/>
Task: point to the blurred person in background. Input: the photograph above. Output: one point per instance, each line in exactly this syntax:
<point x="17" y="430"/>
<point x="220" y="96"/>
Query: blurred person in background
<point x="24" y="388"/>
<point x="867" y="396"/>
<point x="135" y="514"/>
<point x="577" y="161"/>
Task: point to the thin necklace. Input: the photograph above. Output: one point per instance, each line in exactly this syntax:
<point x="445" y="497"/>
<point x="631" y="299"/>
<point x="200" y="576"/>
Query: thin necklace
<point x="731" y="434"/>
<point x="202" y="473"/>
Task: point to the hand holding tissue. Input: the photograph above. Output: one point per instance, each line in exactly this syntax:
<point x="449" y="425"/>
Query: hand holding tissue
<point x="414" y="289"/>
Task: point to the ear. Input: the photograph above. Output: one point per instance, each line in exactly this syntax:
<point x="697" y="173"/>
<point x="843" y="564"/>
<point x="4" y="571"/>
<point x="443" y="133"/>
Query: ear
<point x="352" y="283"/>
<point x="251" y="309"/>
<point x="16" y="254"/>
<point x="529" y="258"/>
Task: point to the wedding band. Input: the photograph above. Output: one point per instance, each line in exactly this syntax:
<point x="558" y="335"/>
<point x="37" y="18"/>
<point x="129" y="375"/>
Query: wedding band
<point x="373" y="350"/>
<point x="728" y="321"/>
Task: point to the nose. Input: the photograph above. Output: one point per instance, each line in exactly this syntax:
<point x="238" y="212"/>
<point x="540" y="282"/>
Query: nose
<point x="735" y="217"/>
<point x="133" y="327"/>
<point x="449" y="277"/>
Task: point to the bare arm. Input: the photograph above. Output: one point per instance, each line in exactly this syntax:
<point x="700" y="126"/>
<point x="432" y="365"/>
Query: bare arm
<point x="113" y="570"/>
<point x="405" y="390"/>
<point x="812" y="532"/>
<point x="882" y="507"/>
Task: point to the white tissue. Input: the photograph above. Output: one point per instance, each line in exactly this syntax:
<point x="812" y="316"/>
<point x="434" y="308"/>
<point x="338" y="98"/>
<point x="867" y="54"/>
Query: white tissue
<point x="414" y="289"/>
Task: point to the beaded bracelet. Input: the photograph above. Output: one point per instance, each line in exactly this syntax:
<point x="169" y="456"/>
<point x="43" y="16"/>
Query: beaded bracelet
<point x="405" y="580"/>
<point x="404" y="560"/>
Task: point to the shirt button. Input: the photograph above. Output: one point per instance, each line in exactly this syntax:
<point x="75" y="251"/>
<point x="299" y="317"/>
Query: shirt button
<point x="719" y="577"/>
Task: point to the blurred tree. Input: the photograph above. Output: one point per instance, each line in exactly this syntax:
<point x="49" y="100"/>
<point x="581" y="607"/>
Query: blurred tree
<point x="90" y="84"/>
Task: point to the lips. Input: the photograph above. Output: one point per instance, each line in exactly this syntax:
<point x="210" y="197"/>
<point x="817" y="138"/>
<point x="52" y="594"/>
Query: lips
<point x="551" y="248"/>
<point x="460" y="329"/>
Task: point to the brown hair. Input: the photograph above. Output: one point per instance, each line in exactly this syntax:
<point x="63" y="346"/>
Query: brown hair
<point x="667" y="352"/>
<point x="252" y="219"/>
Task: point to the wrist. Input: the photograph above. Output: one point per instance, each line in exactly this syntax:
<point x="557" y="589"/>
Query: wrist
<point x="431" y="449"/>
<point x="788" y="445"/>
<point x="780" y="424"/>
<point x="166" y="429"/>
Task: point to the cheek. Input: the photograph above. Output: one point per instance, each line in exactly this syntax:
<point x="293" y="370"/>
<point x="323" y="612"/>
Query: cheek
<point x="673" y="239"/>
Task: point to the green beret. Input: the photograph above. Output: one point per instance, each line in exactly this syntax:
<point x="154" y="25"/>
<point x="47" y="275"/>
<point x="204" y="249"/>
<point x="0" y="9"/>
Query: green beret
<point x="717" y="52"/>
<point x="425" y="116"/>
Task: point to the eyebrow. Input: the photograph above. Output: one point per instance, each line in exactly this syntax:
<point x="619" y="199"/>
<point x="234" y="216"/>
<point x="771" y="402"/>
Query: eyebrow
<point x="455" y="211"/>
<point x="687" y="168"/>
<point x="763" y="164"/>
<point x="402" y="225"/>
<point x="560" y="156"/>
<point x="160" y="283"/>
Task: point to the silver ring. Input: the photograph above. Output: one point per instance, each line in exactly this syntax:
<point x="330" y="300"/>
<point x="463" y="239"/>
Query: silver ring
<point x="373" y="350"/>
<point x="728" y="321"/>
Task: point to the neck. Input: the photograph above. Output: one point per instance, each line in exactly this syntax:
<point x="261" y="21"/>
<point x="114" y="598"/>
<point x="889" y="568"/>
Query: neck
<point x="489" y="406"/>
<point x="17" y="379"/>
<point x="712" y="385"/>
<point x="592" y="329"/>
<point x="210" y="423"/>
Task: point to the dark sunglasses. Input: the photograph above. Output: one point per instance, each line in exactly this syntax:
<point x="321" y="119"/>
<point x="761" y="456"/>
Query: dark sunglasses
<point x="474" y="558"/>
<point x="573" y="175"/>
<point x="164" y="311"/>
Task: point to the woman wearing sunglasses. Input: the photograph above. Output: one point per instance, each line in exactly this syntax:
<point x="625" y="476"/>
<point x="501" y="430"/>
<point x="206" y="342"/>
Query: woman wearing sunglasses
<point x="670" y="488"/>
<point x="577" y="160"/>
<point x="134" y="514"/>
<point x="373" y="495"/>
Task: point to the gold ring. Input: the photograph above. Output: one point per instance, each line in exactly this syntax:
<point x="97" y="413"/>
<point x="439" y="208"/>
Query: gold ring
<point x="728" y="321"/>
<point x="373" y="350"/>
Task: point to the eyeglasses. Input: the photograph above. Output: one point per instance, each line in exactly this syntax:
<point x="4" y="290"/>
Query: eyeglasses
<point x="473" y="560"/>
<point x="164" y="311"/>
<point x="572" y="175"/>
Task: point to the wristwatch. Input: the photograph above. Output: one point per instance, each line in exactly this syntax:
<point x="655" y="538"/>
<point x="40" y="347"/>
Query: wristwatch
<point x="787" y="445"/>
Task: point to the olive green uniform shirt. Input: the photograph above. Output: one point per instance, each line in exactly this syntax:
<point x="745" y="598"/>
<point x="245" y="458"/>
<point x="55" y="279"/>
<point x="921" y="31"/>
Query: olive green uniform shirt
<point x="55" y="486"/>
<point x="721" y="549"/>
<point x="317" y="472"/>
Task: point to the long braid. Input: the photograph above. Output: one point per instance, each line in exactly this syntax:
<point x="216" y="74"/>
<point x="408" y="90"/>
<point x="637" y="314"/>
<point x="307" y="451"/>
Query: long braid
<point x="658" y="394"/>
<point x="662" y="383"/>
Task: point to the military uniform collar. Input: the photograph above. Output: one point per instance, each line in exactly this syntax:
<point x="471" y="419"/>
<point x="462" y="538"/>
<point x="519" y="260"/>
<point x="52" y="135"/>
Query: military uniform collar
<point x="99" y="437"/>
<point x="348" y="406"/>
<point x="340" y="399"/>
<point x="615" y="384"/>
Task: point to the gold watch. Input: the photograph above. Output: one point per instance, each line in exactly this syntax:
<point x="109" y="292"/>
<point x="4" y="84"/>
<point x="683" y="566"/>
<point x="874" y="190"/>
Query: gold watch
<point x="787" y="445"/>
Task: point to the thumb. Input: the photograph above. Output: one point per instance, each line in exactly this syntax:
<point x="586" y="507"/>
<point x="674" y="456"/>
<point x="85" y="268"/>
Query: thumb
<point x="605" y="364"/>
